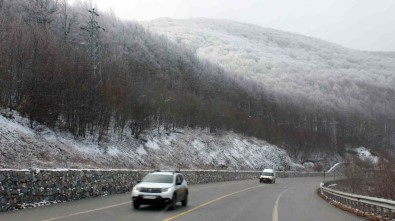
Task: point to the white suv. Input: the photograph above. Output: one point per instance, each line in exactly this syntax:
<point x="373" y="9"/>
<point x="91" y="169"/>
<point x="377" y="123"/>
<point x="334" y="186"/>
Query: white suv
<point x="161" y="188"/>
<point x="268" y="176"/>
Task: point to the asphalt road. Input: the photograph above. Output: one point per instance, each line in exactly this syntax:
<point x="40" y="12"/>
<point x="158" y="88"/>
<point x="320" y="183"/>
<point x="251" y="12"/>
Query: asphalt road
<point x="289" y="199"/>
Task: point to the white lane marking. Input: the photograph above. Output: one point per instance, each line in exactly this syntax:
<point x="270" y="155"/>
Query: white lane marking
<point x="275" y="208"/>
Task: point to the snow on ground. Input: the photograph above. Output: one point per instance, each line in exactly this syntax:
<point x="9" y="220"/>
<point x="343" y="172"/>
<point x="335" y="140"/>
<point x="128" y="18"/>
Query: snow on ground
<point x="366" y="155"/>
<point x="24" y="147"/>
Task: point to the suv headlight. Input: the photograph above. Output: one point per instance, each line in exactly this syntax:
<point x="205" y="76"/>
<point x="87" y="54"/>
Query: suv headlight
<point x="164" y="189"/>
<point x="137" y="188"/>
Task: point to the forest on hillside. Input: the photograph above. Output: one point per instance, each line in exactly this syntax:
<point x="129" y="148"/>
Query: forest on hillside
<point x="81" y="70"/>
<point x="292" y="65"/>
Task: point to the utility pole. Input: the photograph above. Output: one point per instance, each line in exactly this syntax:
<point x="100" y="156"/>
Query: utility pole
<point x="334" y="137"/>
<point x="94" y="46"/>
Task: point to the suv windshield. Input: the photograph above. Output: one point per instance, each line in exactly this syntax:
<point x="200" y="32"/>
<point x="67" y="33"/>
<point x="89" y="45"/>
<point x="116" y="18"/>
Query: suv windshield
<point x="267" y="174"/>
<point x="158" y="178"/>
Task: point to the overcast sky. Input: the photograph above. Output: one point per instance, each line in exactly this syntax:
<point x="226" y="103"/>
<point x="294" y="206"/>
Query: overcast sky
<point x="358" y="24"/>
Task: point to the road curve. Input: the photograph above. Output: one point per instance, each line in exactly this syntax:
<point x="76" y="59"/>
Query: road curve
<point x="289" y="199"/>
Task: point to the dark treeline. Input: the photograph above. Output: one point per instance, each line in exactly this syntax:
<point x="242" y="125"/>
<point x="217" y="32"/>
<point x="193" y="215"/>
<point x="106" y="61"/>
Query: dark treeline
<point x="68" y="68"/>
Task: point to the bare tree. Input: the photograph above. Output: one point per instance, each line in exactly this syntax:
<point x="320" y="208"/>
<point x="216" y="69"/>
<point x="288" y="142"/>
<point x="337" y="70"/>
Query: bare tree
<point x="67" y="20"/>
<point x="41" y="12"/>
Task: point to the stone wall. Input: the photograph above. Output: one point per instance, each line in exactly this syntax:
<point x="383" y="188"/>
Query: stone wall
<point x="30" y="188"/>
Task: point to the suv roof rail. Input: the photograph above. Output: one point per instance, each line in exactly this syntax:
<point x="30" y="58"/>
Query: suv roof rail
<point x="157" y="171"/>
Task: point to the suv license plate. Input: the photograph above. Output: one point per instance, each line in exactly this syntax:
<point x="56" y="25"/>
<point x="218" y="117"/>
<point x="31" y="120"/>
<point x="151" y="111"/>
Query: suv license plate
<point x="149" y="197"/>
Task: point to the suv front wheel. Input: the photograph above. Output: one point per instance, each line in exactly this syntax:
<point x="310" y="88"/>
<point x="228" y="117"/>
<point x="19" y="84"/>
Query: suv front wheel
<point x="173" y="202"/>
<point x="136" y="205"/>
<point x="185" y="201"/>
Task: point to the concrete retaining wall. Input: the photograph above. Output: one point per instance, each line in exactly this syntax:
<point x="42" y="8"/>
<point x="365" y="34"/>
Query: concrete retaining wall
<point x="29" y="188"/>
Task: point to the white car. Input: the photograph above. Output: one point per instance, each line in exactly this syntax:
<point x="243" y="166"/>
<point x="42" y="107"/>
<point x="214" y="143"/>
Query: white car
<point x="161" y="188"/>
<point x="268" y="176"/>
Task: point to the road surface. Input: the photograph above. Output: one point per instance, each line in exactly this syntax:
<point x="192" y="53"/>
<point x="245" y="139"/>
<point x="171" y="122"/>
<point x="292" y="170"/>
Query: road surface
<point x="289" y="199"/>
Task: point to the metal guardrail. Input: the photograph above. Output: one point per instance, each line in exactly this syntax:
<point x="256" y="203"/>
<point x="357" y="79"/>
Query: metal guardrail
<point x="371" y="205"/>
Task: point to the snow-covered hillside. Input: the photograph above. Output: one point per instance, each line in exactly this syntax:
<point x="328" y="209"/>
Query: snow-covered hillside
<point x="364" y="154"/>
<point x="23" y="147"/>
<point x="293" y="65"/>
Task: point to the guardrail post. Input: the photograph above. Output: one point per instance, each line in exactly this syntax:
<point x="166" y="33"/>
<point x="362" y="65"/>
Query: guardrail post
<point x="369" y="211"/>
<point x="360" y="206"/>
<point x="382" y="212"/>
<point x="389" y="214"/>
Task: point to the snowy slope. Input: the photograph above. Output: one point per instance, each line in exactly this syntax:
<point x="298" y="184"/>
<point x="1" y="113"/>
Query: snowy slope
<point x="23" y="147"/>
<point x="365" y="154"/>
<point x="291" y="65"/>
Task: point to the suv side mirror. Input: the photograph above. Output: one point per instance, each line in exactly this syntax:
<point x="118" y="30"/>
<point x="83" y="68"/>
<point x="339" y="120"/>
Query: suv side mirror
<point x="178" y="183"/>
